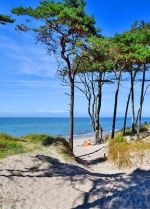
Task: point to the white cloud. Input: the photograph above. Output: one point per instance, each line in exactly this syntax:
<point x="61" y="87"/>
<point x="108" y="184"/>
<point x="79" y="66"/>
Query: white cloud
<point x="50" y="83"/>
<point x="28" y="59"/>
<point x="51" y="112"/>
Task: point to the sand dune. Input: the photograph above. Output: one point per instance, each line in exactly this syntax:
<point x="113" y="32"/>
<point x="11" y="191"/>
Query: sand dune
<point x="43" y="180"/>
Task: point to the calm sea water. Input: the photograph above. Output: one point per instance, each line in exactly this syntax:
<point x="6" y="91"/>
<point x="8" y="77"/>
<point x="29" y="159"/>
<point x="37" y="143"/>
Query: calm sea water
<point x="55" y="126"/>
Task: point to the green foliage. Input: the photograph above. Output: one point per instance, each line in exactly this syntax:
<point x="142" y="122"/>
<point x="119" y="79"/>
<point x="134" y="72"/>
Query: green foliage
<point x="75" y="3"/>
<point x="97" y="57"/>
<point x="6" y="19"/>
<point x="59" y="143"/>
<point x="59" y="20"/>
<point x="118" y="139"/>
<point x="142" y="129"/>
<point x="46" y="140"/>
<point x="7" y="137"/>
<point x="133" y="45"/>
<point x="36" y="138"/>
<point x="130" y="132"/>
<point x="9" y="146"/>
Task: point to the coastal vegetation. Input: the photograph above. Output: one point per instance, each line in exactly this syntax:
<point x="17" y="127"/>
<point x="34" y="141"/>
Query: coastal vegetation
<point x="123" y="154"/>
<point x="63" y="28"/>
<point x="89" y="60"/>
<point x="54" y="172"/>
<point x="10" y="145"/>
<point x="125" y="151"/>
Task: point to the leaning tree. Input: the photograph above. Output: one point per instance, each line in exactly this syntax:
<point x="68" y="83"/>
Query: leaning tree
<point x="119" y="66"/>
<point x="134" y="49"/>
<point x="92" y="75"/>
<point x="63" y="26"/>
<point x="142" y="30"/>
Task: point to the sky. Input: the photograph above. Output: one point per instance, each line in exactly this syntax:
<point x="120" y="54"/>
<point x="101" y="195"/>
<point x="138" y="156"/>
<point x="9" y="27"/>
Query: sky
<point x="29" y="84"/>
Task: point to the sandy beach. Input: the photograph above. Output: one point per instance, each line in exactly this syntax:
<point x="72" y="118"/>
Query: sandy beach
<point x="44" y="180"/>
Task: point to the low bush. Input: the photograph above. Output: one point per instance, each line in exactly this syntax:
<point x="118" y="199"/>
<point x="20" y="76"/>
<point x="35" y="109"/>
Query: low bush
<point x="8" y="147"/>
<point x="7" y="137"/>
<point x="35" y="138"/>
<point x="47" y="140"/>
<point x="118" y="139"/>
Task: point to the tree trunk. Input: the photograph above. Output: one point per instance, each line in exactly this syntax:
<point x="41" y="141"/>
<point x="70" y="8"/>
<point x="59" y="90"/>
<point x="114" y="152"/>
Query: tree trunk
<point x="98" y="108"/>
<point x="141" y="102"/>
<point x="132" y="99"/>
<point x="126" y="113"/>
<point x="115" y="106"/>
<point x="71" y="113"/>
<point x="89" y="112"/>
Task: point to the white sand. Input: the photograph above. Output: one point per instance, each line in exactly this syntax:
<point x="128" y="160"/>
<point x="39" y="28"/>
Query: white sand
<point x="43" y="180"/>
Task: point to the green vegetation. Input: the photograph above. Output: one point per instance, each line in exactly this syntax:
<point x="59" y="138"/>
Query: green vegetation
<point x="120" y="152"/>
<point x="10" y="145"/>
<point x="91" y="59"/>
<point x="5" y="19"/>
<point x="130" y="132"/>
<point x="144" y="128"/>
<point x="63" y="27"/>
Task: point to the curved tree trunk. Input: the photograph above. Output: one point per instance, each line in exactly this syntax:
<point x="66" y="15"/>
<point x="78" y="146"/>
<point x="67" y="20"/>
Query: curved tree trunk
<point x="71" y="113"/>
<point x="115" y="106"/>
<point x="132" y="99"/>
<point x="98" y="129"/>
<point x="126" y="113"/>
<point x="141" y="103"/>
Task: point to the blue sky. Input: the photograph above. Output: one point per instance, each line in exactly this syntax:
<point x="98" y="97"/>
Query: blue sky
<point x="29" y="85"/>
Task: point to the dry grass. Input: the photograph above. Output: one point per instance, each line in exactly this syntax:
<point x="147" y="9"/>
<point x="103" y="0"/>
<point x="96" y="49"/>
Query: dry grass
<point x="120" y="151"/>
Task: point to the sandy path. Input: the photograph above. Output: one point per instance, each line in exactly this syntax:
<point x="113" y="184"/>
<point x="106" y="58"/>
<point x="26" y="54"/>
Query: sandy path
<point x="43" y="180"/>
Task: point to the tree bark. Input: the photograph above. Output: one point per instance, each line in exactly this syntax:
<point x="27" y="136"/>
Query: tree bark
<point x="71" y="113"/>
<point x="127" y="106"/>
<point x="71" y="76"/>
<point x="132" y="99"/>
<point x="126" y="113"/>
<point x="115" y="106"/>
<point x="98" y="108"/>
<point x="93" y="92"/>
<point x="141" y="102"/>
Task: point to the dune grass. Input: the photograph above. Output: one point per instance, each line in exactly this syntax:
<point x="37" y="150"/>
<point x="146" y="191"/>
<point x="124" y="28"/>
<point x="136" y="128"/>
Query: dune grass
<point x="144" y="128"/>
<point x="10" y="145"/>
<point x="120" y="151"/>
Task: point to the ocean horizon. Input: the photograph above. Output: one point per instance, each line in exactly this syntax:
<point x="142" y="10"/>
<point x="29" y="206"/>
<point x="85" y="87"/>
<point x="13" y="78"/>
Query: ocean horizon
<point x="19" y="126"/>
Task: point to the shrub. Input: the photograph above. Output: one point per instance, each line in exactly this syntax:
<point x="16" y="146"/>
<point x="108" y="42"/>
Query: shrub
<point x="36" y="138"/>
<point x="47" y="140"/>
<point x="7" y="137"/>
<point x="118" y="139"/>
<point x="8" y="147"/>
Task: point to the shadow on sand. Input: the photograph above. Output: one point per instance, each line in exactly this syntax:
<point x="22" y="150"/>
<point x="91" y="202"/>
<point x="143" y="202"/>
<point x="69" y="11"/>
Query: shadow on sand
<point x="107" y="191"/>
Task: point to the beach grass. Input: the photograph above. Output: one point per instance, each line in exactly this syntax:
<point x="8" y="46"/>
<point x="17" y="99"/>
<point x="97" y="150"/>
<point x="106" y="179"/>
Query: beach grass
<point x="121" y="152"/>
<point x="10" y="145"/>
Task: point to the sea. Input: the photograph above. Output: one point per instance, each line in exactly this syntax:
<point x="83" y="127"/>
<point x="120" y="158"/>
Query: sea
<point x="57" y="126"/>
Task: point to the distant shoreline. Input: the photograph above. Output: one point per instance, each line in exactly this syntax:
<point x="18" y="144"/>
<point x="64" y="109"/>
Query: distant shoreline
<point x="57" y="126"/>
